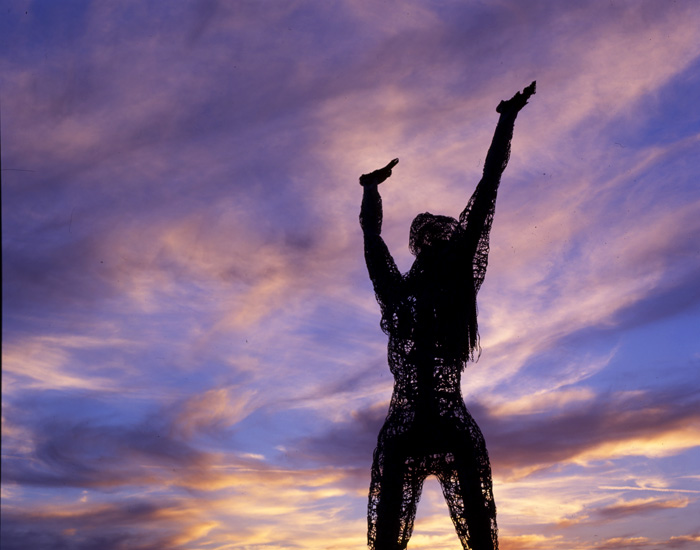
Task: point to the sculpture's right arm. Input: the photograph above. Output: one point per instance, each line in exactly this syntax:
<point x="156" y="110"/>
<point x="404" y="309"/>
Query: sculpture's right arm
<point x="385" y="276"/>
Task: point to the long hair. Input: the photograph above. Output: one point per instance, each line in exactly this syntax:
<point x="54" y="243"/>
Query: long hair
<point x="440" y="289"/>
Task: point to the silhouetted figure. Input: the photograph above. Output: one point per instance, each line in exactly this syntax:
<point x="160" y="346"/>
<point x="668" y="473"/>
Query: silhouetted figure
<point x="430" y="316"/>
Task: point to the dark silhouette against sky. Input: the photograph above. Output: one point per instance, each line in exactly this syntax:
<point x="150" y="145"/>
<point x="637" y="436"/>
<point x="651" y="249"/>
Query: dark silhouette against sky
<point x="430" y="316"/>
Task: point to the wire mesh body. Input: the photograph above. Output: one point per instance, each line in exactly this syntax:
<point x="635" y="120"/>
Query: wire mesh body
<point x="430" y="316"/>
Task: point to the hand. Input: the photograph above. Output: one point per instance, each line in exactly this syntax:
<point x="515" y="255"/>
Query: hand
<point x="518" y="101"/>
<point x="378" y="176"/>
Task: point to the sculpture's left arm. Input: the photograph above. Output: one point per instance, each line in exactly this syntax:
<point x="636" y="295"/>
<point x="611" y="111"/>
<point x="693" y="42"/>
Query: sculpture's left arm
<point x="475" y="221"/>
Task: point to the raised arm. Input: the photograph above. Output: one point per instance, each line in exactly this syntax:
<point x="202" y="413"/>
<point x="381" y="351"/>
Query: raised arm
<point x="475" y="221"/>
<point x="383" y="272"/>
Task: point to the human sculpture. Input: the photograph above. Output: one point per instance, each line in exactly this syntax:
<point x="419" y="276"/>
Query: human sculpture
<point x="430" y="316"/>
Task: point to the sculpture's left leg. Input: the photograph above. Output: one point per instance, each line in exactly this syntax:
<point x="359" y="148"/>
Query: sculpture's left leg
<point x="466" y="484"/>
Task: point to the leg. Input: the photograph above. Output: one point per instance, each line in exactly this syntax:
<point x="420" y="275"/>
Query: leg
<point x="467" y="487"/>
<point x="394" y="492"/>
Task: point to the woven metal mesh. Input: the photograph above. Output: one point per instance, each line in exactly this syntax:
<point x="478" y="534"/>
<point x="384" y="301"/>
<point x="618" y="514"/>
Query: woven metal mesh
<point x="430" y="316"/>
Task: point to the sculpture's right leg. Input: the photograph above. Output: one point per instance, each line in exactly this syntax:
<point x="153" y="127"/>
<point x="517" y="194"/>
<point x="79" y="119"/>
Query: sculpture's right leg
<point x="393" y="498"/>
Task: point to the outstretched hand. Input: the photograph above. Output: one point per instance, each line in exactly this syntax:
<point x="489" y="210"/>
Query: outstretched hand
<point x="518" y="101"/>
<point x="378" y="176"/>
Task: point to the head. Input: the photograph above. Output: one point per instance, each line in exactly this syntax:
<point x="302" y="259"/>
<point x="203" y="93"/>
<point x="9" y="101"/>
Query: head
<point x="428" y="229"/>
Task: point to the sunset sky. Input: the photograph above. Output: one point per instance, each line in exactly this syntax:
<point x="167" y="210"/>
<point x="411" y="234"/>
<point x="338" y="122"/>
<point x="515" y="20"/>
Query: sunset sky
<point x="191" y="349"/>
